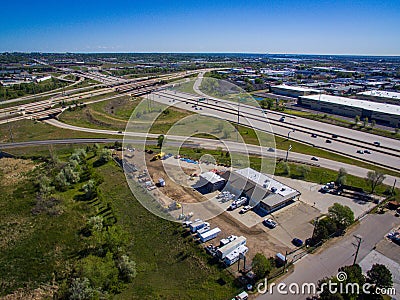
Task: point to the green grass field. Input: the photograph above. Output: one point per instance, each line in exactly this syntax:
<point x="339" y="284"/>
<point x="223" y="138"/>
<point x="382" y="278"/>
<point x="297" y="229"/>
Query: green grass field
<point x="28" y="130"/>
<point x="34" y="247"/>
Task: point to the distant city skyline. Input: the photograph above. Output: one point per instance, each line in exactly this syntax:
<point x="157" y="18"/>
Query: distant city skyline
<point x="340" y="27"/>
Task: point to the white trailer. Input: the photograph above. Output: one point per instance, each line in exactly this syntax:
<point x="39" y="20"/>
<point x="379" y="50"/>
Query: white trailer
<point x="225" y="250"/>
<point x="203" y="230"/>
<point x="209" y="235"/>
<point x="234" y="256"/>
<point x="198" y="225"/>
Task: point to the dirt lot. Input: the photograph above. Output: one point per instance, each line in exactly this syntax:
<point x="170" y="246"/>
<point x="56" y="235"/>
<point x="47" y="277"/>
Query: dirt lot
<point x="183" y="194"/>
<point x="293" y="221"/>
<point x="258" y="240"/>
<point x="13" y="170"/>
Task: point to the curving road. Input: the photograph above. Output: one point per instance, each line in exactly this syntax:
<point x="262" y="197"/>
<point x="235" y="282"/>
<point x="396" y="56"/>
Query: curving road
<point x="234" y="147"/>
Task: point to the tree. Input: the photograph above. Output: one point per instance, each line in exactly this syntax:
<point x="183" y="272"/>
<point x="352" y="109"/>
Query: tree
<point x="303" y="170"/>
<point x="341" y="177"/>
<point x="71" y="174"/>
<point x="342" y="215"/>
<point x="365" y="122"/>
<point x="324" y="228"/>
<point x="374" y="179"/>
<point x="80" y="289"/>
<point x="127" y="268"/>
<point x="105" y="156"/>
<point x="101" y="272"/>
<point x="90" y="190"/>
<point x="225" y="134"/>
<point x="61" y="182"/>
<point x="160" y="140"/>
<point x="357" y="119"/>
<point x="95" y="148"/>
<point x="373" y="123"/>
<point x="285" y="168"/>
<point x="261" y="265"/>
<point x="95" y="223"/>
<point x="380" y="276"/>
<point x="220" y="127"/>
<point x="44" y="185"/>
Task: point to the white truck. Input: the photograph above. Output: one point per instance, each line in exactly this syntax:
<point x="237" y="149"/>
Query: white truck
<point x="227" y="240"/>
<point x="238" y="203"/>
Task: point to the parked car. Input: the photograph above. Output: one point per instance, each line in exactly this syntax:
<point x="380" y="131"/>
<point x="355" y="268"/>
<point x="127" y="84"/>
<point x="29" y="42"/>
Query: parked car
<point x="334" y="136"/>
<point x="314" y="135"/>
<point x="367" y="152"/>
<point x="282" y="119"/>
<point x="270" y="223"/>
<point x="360" y="151"/>
<point x="297" y="242"/>
<point x="270" y="149"/>
<point x="245" y="209"/>
<point x="328" y="141"/>
<point x="314" y="158"/>
<point x="377" y="143"/>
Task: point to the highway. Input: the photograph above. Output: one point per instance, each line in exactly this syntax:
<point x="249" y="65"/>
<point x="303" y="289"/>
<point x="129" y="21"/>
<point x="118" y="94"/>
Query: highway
<point x="347" y="143"/>
<point x="41" y="109"/>
<point x="234" y="147"/>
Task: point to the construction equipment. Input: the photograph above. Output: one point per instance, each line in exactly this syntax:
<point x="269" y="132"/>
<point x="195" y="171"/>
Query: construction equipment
<point x="157" y="156"/>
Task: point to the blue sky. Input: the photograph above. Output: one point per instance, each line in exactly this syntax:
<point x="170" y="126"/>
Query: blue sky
<point x="316" y="27"/>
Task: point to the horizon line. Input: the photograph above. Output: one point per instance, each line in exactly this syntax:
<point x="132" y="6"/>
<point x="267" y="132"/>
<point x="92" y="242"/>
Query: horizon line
<point x="190" y="52"/>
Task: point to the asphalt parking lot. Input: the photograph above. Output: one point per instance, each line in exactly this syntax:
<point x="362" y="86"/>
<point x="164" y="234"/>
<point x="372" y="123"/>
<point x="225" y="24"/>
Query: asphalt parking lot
<point x="293" y="221"/>
<point x="311" y="196"/>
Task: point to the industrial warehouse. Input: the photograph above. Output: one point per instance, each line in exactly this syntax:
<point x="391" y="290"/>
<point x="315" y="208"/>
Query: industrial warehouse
<point x="293" y="91"/>
<point x="382" y="113"/>
<point x="260" y="190"/>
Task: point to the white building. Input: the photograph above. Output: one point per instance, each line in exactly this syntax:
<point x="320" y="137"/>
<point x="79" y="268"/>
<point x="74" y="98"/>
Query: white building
<point x="386" y="114"/>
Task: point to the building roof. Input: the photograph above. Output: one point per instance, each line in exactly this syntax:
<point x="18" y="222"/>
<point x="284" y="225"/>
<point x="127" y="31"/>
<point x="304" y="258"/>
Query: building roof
<point x="381" y="94"/>
<point x="260" y="187"/>
<point x="357" y="103"/>
<point x="295" y="88"/>
<point x="211" y="177"/>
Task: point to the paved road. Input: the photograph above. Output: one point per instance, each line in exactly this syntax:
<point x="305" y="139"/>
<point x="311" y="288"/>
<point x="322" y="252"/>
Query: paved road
<point x="257" y="120"/>
<point x="361" y="140"/>
<point x="234" y="147"/>
<point x="340" y="253"/>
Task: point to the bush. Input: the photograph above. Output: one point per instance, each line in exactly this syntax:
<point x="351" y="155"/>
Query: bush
<point x="127" y="268"/>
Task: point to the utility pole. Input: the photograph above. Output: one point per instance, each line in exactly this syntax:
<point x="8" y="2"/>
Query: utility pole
<point x="284" y="263"/>
<point x="394" y="184"/>
<point x="359" y="241"/>
<point x="315" y="226"/>
<point x="287" y="152"/>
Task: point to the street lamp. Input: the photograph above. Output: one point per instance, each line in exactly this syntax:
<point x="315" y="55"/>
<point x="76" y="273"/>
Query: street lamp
<point x="287" y="152"/>
<point x="288" y="135"/>
<point x="238" y="116"/>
